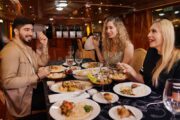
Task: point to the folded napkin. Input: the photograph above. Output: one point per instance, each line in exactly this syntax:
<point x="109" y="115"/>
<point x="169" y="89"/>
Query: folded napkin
<point x="56" y="97"/>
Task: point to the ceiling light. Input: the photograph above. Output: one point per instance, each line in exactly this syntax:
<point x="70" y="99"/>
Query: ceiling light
<point x="62" y="4"/>
<point x="59" y="8"/>
<point x="161" y="14"/>
<point x="176" y="12"/>
<point x="46" y="27"/>
<point x="1" y="21"/>
<point x="157" y="10"/>
<point x="99" y="21"/>
<point x="176" y="25"/>
<point x="51" y="19"/>
<point x="87" y="5"/>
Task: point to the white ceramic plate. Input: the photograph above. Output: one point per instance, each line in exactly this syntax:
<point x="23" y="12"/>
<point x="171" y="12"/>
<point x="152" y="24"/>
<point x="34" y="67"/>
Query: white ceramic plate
<point x="90" y="65"/>
<point x="140" y="91"/>
<point x="82" y="74"/>
<point x="65" y="64"/>
<point x="56" y="75"/>
<point x="99" y="97"/>
<point x="56" y="68"/>
<point x="55" y="111"/>
<point x="114" y="115"/>
<point x="57" y="86"/>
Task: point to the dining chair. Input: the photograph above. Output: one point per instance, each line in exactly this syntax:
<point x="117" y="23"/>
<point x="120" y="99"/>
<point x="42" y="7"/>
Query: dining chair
<point x="85" y="53"/>
<point x="2" y="106"/>
<point x="138" y="58"/>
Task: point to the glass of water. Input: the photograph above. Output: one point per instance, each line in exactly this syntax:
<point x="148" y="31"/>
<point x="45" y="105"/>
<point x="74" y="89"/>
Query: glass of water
<point x="171" y="97"/>
<point x="69" y="61"/>
<point x="78" y="58"/>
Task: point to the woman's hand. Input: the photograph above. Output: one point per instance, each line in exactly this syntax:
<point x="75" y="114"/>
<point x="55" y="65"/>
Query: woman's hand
<point x="131" y="72"/>
<point x="126" y="69"/>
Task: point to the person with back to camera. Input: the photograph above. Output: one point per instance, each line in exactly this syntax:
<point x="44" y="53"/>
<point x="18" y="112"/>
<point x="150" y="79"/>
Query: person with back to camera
<point x="20" y="68"/>
<point x="116" y="45"/>
<point x="162" y="60"/>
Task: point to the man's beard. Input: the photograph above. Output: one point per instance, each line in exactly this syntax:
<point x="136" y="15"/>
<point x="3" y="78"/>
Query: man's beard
<point x="25" y="40"/>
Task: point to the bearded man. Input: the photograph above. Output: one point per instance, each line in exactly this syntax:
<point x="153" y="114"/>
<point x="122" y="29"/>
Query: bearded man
<point x="20" y="67"/>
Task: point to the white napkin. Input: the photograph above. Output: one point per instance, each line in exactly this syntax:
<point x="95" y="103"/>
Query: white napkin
<point x="56" y="97"/>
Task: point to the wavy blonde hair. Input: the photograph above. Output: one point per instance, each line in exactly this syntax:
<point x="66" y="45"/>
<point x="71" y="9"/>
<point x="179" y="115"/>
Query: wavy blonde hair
<point x="121" y="38"/>
<point x="169" y="54"/>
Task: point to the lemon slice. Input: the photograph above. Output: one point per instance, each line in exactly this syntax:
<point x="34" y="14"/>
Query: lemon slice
<point x="92" y="78"/>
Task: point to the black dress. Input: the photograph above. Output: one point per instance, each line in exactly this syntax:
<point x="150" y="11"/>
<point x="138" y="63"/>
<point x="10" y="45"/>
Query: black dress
<point x="150" y="62"/>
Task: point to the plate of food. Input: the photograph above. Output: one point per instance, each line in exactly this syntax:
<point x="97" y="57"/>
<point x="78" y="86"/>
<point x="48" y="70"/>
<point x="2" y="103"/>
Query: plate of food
<point x="71" y="86"/>
<point x="132" y="89"/>
<point x="82" y="74"/>
<point x="118" y="76"/>
<point x="125" y="112"/>
<point x="70" y="70"/>
<point x="90" y="65"/>
<point x="56" y="75"/>
<point x="56" y="68"/>
<point x="74" y="109"/>
<point x="105" y="97"/>
<point x="100" y="79"/>
<point x="65" y="63"/>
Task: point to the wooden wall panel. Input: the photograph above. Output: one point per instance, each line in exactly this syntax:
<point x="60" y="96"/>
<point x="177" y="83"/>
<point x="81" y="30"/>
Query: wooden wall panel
<point x="58" y="48"/>
<point x="138" y="25"/>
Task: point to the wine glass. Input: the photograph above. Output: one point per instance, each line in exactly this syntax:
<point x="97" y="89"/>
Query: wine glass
<point x="78" y="58"/>
<point x="69" y="61"/>
<point x="171" y="97"/>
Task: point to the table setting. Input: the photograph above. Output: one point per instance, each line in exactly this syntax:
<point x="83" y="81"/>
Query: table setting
<point x="118" y="99"/>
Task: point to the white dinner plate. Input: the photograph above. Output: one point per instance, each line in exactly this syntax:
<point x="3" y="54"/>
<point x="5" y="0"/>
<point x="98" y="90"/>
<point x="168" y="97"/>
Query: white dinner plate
<point x="90" y="65"/>
<point x="84" y="85"/>
<point x="55" y="110"/>
<point x="136" y="112"/>
<point x="56" y="75"/>
<point x="57" y="68"/>
<point x="140" y="91"/>
<point x="99" y="97"/>
<point x="82" y="74"/>
<point x="65" y="64"/>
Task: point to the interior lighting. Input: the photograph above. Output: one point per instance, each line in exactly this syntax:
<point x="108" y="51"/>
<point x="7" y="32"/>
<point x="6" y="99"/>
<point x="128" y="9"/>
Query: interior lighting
<point x="51" y="19"/>
<point x="1" y="21"/>
<point x="99" y="21"/>
<point x="161" y="14"/>
<point x="62" y="4"/>
<point x="59" y="8"/>
<point x="176" y="12"/>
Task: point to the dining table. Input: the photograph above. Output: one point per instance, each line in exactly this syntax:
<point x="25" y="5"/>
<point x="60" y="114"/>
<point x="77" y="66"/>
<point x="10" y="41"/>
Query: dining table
<point x="150" y="111"/>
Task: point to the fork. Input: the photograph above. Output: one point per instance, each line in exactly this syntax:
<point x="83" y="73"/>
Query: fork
<point x="154" y="103"/>
<point x="80" y="93"/>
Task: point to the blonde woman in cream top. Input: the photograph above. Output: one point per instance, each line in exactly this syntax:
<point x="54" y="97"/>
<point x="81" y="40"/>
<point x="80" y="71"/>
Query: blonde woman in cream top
<point x="116" y="45"/>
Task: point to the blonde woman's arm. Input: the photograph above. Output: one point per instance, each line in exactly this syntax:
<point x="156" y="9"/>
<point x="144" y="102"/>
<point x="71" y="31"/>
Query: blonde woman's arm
<point x="98" y="52"/>
<point x="128" y="53"/>
<point x="133" y="75"/>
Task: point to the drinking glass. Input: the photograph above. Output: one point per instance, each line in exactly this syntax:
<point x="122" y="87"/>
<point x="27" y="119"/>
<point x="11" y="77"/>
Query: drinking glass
<point x="78" y="59"/>
<point x="69" y="61"/>
<point x="171" y="97"/>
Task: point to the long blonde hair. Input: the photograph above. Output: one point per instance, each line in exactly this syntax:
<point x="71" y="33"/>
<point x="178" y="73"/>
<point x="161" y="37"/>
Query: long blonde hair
<point x="169" y="54"/>
<point x="121" y="38"/>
